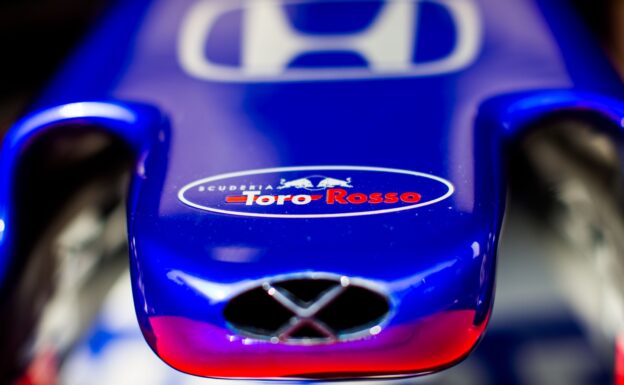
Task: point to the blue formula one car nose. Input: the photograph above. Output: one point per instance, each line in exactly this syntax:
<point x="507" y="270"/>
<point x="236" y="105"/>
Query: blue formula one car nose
<point x="319" y="186"/>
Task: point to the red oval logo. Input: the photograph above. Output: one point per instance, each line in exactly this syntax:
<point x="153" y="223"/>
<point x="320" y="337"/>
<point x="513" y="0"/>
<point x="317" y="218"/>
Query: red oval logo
<point x="315" y="192"/>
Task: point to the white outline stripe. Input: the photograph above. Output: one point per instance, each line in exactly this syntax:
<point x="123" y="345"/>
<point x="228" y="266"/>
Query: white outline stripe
<point x="183" y="190"/>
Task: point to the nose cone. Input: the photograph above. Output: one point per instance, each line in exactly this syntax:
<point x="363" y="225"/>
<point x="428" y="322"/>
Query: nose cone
<point x="383" y="301"/>
<point x="263" y="277"/>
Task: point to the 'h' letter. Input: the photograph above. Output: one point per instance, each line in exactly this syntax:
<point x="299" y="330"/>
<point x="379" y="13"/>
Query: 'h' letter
<point x="270" y="43"/>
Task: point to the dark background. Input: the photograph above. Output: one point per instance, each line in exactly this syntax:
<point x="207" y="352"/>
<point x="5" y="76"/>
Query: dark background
<point x="35" y="37"/>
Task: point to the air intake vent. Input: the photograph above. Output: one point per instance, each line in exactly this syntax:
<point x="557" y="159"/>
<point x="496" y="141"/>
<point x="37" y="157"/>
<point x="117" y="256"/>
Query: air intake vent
<point x="308" y="310"/>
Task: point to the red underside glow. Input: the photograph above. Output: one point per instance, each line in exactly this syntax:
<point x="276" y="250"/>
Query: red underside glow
<point x="202" y="349"/>
<point x="42" y="370"/>
<point x="619" y="361"/>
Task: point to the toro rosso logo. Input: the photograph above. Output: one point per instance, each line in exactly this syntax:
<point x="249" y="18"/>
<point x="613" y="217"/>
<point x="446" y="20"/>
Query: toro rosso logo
<point x="315" y="192"/>
<point x="299" y="40"/>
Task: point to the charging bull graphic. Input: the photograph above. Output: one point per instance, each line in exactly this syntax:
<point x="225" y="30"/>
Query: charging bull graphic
<point x="332" y="182"/>
<point x="309" y="183"/>
<point x="297" y="183"/>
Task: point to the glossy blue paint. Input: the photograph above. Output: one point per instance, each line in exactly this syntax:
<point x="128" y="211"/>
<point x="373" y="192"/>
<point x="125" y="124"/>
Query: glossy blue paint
<point x="138" y="125"/>
<point x="442" y="104"/>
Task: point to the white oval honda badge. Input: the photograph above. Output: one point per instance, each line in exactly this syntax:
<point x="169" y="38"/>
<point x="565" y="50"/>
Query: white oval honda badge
<point x="315" y="192"/>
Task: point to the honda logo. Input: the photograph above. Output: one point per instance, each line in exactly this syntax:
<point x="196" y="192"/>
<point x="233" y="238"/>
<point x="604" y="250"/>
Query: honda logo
<point x="268" y="41"/>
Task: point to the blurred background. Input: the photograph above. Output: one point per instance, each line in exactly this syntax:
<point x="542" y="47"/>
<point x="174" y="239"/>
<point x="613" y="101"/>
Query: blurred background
<point x="553" y="322"/>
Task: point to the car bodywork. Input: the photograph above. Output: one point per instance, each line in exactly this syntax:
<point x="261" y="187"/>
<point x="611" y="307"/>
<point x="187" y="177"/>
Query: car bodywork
<point x="318" y="187"/>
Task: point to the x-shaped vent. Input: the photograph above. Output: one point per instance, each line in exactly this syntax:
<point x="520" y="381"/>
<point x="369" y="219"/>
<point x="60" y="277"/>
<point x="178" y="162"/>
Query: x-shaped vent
<point x="308" y="310"/>
<point x="304" y="313"/>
